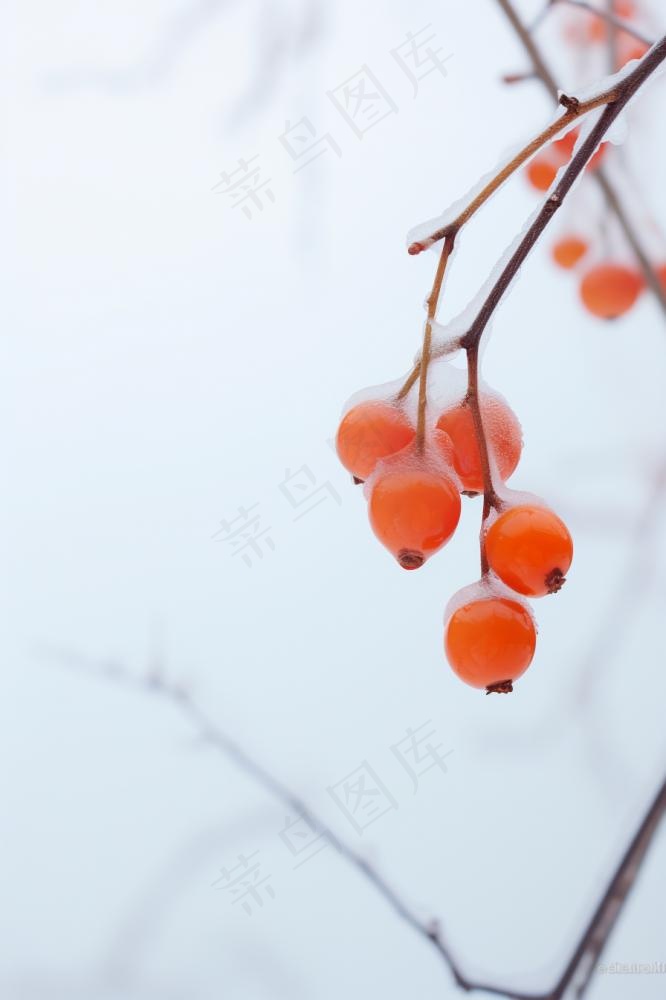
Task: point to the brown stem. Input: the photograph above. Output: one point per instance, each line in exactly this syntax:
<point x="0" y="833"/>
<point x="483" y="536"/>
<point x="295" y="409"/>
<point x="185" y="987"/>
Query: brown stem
<point x="599" y="175"/>
<point x="472" y="399"/>
<point x="575" y="109"/>
<point x="618" y="23"/>
<point x="426" y="352"/>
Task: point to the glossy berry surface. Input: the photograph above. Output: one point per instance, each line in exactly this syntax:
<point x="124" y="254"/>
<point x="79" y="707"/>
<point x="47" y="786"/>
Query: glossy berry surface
<point x="490" y="642"/>
<point x="610" y="290"/>
<point x="413" y="512"/>
<point x="530" y="549"/>
<point x="369" y="432"/>
<point x="568" y="251"/>
<point x="503" y="433"/>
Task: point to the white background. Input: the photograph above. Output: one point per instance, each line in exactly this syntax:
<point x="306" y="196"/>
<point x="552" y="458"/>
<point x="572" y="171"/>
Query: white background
<point x="166" y="361"/>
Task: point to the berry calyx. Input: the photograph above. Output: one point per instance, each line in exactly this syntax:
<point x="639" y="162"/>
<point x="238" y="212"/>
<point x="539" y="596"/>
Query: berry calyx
<point x="568" y="251"/>
<point x="490" y="642"/>
<point x="370" y="431"/>
<point x="610" y="290"/>
<point x="503" y="433"/>
<point x="530" y="549"/>
<point x="413" y="511"/>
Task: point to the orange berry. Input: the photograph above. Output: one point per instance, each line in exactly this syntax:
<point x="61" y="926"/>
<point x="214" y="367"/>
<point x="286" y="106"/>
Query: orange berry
<point x="413" y="510"/>
<point x="596" y="158"/>
<point x="490" y="642"/>
<point x="609" y="290"/>
<point x="530" y="550"/>
<point x="569" y="250"/>
<point x="503" y="433"/>
<point x="629" y="48"/>
<point x="597" y="28"/>
<point x="369" y="432"/>
<point x="564" y="147"/>
<point x="541" y="172"/>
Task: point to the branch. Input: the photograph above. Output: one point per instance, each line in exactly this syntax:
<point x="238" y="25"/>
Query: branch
<point x="608" y="16"/>
<point x="600" y="176"/>
<point x="575" y="109"/>
<point x="426" y="352"/>
<point x="595" y="936"/>
<point x="593" y="939"/>
<point x="625" y="91"/>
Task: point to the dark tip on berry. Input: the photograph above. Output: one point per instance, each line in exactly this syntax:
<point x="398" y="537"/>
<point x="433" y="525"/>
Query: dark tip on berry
<point x="501" y="687"/>
<point x="555" y="580"/>
<point x="415" y="248"/>
<point x="470" y="493"/>
<point x="409" y="559"/>
<point x="356" y="481"/>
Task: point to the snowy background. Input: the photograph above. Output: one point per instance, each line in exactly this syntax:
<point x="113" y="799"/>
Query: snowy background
<point x="168" y="362"/>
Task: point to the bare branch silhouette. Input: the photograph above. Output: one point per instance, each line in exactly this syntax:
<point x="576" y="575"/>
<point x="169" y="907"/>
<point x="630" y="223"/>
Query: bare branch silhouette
<point x="600" y="176"/>
<point x="594" y="938"/>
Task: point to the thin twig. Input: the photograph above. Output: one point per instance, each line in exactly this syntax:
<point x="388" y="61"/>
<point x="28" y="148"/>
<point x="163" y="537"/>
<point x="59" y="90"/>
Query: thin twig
<point x="592" y="941"/>
<point x="472" y="399"/>
<point x="601" y="178"/>
<point x="606" y="15"/>
<point x="426" y="352"/>
<point x="625" y="91"/>
<point x="575" y="110"/>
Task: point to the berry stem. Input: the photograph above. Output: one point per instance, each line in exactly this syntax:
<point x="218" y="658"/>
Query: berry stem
<point x="426" y="351"/>
<point x="490" y="498"/>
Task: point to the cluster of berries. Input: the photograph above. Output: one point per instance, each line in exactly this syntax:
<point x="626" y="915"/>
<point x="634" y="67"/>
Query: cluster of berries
<point x="608" y="288"/>
<point x="583" y="30"/>
<point x="542" y="168"/>
<point x="413" y="491"/>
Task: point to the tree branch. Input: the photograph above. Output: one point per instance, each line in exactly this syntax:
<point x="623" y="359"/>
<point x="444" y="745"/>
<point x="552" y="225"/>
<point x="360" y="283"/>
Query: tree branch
<point x="600" y="175"/>
<point x="593" y="939"/>
<point x="575" y="109"/>
<point x="625" y="91"/>
<point x="606" y="15"/>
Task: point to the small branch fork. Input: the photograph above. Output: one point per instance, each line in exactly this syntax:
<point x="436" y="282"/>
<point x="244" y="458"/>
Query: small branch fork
<point x="594" y="938"/>
<point x="574" y="109"/>
<point x="606" y="15"/>
<point x="613" y="101"/>
<point x="600" y="176"/>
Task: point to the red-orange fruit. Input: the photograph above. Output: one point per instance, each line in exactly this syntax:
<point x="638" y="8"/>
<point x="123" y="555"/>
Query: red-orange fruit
<point x="370" y="431"/>
<point x="490" y="642"/>
<point x="413" y="512"/>
<point x="609" y="290"/>
<point x="568" y="251"/>
<point x="597" y="28"/>
<point x="629" y="48"/>
<point x="597" y="157"/>
<point x="503" y="433"/>
<point x="564" y="147"/>
<point x="530" y="549"/>
<point x="541" y="172"/>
